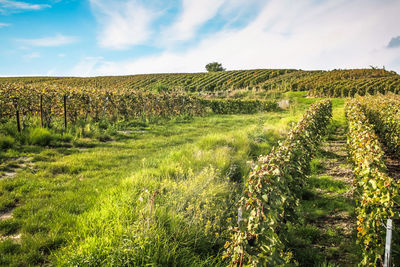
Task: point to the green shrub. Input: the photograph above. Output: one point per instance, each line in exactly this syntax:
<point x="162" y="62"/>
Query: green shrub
<point x="6" y="142"/>
<point x="41" y="137"/>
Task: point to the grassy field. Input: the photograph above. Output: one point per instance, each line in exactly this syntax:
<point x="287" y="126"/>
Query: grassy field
<point x="163" y="194"/>
<point x="159" y="194"/>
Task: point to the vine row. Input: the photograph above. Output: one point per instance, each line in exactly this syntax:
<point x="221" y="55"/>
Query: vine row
<point x="237" y="106"/>
<point x="272" y="191"/>
<point x="377" y="195"/>
<point x="52" y="102"/>
<point x="384" y="113"/>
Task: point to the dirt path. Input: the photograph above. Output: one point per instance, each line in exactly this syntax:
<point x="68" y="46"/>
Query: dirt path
<point x="6" y="216"/>
<point x="7" y="232"/>
<point x="13" y="166"/>
<point x="392" y="163"/>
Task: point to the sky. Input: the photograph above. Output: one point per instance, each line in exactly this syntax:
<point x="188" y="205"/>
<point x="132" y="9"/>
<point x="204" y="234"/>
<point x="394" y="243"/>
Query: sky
<point x="123" y="37"/>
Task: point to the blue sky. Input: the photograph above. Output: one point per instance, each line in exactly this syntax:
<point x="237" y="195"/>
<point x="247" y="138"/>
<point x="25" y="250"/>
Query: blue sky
<point x="120" y="37"/>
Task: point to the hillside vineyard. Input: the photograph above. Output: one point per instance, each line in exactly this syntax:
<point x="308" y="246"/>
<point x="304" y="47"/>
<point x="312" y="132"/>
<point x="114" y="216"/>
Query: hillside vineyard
<point x="263" y="167"/>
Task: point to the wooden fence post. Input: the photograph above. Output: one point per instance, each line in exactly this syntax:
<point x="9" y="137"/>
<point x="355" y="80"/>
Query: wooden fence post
<point x="17" y="116"/>
<point x="18" y="120"/>
<point x="87" y="109"/>
<point x="65" y="111"/>
<point x="41" y="111"/>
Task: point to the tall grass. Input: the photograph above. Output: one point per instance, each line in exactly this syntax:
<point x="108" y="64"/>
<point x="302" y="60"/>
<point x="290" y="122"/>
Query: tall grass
<point x="174" y="211"/>
<point x="161" y="194"/>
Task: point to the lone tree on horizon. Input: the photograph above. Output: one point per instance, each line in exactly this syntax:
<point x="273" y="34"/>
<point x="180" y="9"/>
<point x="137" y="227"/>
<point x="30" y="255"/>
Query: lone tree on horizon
<point x="214" y="66"/>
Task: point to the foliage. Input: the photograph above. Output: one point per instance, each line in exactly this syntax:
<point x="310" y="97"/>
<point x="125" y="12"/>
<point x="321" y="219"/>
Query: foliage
<point x="237" y="106"/>
<point x="348" y="83"/>
<point x="384" y="113"/>
<point x="81" y="103"/>
<point x="377" y="193"/>
<point x="272" y="190"/>
<point x="214" y="67"/>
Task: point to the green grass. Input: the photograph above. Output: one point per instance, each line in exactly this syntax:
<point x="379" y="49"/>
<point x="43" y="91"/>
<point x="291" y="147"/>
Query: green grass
<point x="162" y="194"/>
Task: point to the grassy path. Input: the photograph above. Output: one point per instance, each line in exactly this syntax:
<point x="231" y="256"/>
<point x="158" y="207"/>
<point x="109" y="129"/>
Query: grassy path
<point x="326" y="235"/>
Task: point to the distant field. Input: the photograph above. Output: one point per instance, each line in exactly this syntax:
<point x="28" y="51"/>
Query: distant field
<point x="357" y="81"/>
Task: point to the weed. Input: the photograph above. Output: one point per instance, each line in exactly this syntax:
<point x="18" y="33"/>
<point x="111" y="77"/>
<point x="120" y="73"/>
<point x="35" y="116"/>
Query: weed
<point x="41" y="137"/>
<point x="6" y="142"/>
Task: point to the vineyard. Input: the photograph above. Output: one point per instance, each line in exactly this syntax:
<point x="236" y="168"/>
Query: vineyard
<point x="377" y="193"/>
<point x="189" y="82"/>
<point x="272" y="190"/>
<point x="350" y="83"/>
<point x="126" y="97"/>
<point x="85" y="95"/>
<point x="264" y="167"/>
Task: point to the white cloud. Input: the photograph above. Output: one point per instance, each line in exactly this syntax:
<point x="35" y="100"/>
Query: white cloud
<point x="57" y="40"/>
<point x="31" y="56"/>
<point x="195" y="13"/>
<point x="4" y="25"/>
<point x="86" y="66"/>
<point x="124" y="23"/>
<point x="22" y="75"/>
<point x="9" y="6"/>
<point x="286" y="34"/>
<point x="51" y="72"/>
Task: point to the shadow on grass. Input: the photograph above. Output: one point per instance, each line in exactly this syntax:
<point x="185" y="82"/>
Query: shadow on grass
<point x="330" y="155"/>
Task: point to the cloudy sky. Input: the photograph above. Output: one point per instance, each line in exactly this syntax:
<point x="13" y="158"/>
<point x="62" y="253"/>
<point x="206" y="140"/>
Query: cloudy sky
<point x="119" y="37"/>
